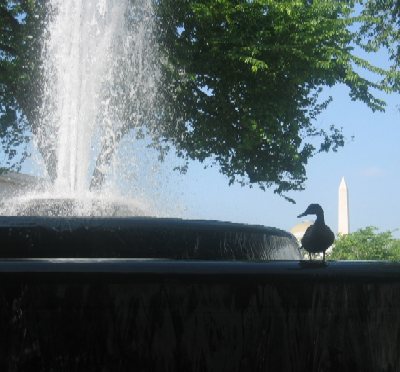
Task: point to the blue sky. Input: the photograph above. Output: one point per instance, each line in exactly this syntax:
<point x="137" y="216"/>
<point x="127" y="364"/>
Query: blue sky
<point x="369" y="163"/>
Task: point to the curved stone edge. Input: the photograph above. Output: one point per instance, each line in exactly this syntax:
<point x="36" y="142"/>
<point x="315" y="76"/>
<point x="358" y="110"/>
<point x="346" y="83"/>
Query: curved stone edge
<point x="142" y="237"/>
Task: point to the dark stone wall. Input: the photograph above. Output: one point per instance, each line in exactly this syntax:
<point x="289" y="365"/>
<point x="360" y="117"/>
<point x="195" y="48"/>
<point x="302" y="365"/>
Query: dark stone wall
<point x="143" y="294"/>
<point x="152" y="315"/>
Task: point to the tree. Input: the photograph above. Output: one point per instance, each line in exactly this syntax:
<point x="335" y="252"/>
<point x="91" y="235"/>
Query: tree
<point x="248" y="77"/>
<point x="21" y="24"/>
<point x="241" y="81"/>
<point x="366" y="244"/>
<point x="381" y="29"/>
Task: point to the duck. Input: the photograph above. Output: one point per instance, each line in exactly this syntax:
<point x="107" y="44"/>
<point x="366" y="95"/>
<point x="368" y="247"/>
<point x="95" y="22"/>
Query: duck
<point x="318" y="237"/>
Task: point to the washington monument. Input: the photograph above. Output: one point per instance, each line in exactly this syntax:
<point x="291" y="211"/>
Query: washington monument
<point x="343" y="213"/>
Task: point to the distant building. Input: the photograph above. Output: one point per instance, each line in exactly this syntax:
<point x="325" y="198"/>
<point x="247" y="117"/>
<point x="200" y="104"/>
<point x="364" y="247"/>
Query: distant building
<point x="299" y="229"/>
<point x="12" y="183"/>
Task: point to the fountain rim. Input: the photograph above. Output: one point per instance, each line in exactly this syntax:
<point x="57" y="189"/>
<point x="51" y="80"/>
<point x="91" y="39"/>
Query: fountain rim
<point x="69" y="222"/>
<point x="141" y="237"/>
<point x="152" y="269"/>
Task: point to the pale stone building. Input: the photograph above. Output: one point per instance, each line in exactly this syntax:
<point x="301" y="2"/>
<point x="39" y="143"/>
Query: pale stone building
<point x="299" y="229"/>
<point x="12" y="183"/>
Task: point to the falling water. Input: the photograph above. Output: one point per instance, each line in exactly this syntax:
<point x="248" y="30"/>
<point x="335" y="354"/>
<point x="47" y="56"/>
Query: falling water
<point x="99" y="63"/>
<point x="100" y="97"/>
<point x="101" y="78"/>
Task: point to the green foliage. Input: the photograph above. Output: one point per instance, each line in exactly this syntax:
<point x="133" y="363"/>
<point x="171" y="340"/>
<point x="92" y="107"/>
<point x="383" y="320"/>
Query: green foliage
<point x="241" y="79"/>
<point x="246" y="78"/>
<point x="366" y="244"/>
<point x="380" y="29"/>
<point x="20" y="28"/>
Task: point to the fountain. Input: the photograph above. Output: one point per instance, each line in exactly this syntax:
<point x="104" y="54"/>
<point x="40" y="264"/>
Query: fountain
<point x="99" y="87"/>
<point x="101" y="77"/>
<point x="94" y="281"/>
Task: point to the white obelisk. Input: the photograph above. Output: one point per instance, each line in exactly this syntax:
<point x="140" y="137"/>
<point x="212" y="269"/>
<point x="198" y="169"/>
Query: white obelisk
<point x="343" y="223"/>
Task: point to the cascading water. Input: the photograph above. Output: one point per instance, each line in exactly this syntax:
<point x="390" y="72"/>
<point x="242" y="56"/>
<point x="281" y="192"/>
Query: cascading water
<point x="99" y="63"/>
<point x="100" y="97"/>
<point x="77" y="59"/>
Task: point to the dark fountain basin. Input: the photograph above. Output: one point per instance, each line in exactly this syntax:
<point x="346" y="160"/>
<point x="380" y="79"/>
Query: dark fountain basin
<point x="145" y="294"/>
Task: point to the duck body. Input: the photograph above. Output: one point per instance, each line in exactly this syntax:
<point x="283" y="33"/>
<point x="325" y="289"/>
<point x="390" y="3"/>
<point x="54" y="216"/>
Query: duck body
<point x="318" y="237"/>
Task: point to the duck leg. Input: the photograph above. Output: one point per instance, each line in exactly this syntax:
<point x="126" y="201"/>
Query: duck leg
<point x="309" y="254"/>
<point x="323" y="256"/>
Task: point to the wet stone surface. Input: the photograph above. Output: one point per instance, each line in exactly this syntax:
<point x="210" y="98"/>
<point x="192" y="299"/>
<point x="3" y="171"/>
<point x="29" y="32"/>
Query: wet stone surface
<point x="197" y="322"/>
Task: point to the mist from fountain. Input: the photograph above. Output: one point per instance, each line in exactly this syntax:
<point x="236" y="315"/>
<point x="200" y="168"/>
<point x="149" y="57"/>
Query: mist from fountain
<point x="101" y="74"/>
<point x="100" y="111"/>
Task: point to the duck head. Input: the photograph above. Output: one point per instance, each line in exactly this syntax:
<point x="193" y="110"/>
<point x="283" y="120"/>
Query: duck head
<point x="312" y="209"/>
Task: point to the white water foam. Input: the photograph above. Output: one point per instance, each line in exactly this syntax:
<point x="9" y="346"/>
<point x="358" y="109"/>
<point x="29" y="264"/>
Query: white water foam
<point x="101" y="77"/>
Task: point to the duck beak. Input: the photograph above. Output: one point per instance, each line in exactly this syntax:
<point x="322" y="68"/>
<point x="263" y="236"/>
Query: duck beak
<point x="302" y="215"/>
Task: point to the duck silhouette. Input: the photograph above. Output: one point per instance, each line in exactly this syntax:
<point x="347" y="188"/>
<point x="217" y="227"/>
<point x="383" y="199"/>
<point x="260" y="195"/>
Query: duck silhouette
<point x="318" y="237"/>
